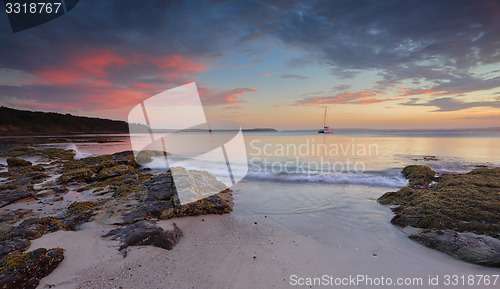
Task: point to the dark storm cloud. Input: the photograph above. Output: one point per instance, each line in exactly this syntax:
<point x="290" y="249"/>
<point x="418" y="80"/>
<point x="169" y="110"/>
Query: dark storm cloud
<point x="346" y="35"/>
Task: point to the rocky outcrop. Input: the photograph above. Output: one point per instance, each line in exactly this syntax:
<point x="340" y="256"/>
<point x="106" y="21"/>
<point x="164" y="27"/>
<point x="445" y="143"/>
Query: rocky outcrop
<point x="470" y="247"/>
<point x="146" y="233"/>
<point x="455" y="211"/>
<point x="137" y="197"/>
<point x="160" y="201"/>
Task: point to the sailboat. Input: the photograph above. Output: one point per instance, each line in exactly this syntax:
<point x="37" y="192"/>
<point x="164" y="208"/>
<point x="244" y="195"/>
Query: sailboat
<point x="325" y="128"/>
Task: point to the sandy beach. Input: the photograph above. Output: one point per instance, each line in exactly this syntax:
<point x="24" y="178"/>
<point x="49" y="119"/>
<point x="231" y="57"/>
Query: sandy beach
<point x="231" y="251"/>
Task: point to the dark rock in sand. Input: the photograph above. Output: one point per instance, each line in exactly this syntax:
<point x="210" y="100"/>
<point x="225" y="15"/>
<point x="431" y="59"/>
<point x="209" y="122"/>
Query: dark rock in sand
<point x="146" y="233"/>
<point x="24" y="270"/>
<point x="470" y="247"/>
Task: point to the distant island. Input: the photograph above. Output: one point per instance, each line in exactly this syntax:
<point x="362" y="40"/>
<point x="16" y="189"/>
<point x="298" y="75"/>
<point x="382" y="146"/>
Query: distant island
<point x="260" y="130"/>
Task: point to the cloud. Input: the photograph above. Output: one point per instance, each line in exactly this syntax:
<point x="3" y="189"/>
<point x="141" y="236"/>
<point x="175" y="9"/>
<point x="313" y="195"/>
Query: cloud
<point x="485" y="117"/>
<point x="227" y="97"/>
<point x="361" y="97"/>
<point x="266" y="74"/>
<point x="341" y="87"/>
<point x="451" y="104"/>
<point x="293" y="76"/>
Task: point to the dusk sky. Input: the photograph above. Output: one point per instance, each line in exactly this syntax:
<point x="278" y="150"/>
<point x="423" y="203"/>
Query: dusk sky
<point x="375" y="64"/>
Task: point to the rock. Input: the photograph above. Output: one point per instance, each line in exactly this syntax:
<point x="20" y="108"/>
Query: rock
<point x="116" y="171"/>
<point x="470" y="247"/>
<point x="77" y="214"/>
<point x="46" y="193"/>
<point x="10" y="217"/>
<point x="419" y="175"/>
<point x="161" y="202"/>
<point x="76" y="175"/>
<point x="17" y="162"/>
<point x="146" y="233"/>
<point x="60" y="188"/>
<point x="34" y="228"/>
<point x="16" y="245"/>
<point x="24" y="270"/>
<point x="159" y="188"/>
<point x="10" y="196"/>
<point x="465" y="203"/>
<point x="462" y="202"/>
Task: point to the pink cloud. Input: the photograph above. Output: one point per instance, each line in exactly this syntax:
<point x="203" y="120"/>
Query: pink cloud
<point x="219" y="96"/>
<point x="362" y="97"/>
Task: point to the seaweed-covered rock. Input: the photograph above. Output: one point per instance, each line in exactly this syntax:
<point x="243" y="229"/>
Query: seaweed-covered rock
<point x="116" y="171"/>
<point x="470" y="247"/>
<point x="13" y="194"/>
<point x="77" y="214"/>
<point x="160" y="201"/>
<point x="10" y="217"/>
<point x="18" y="151"/>
<point x="462" y="202"/>
<point x="16" y="245"/>
<point x="34" y="228"/>
<point x="457" y="203"/>
<point x="50" y="153"/>
<point x="17" y="162"/>
<point x="146" y="233"/>
<point x="76" y="175"/>
<point x="24" y="270"/>
<point x="419" y="175"/>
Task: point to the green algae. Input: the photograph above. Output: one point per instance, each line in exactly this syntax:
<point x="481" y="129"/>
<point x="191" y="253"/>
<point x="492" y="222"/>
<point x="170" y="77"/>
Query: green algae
<point x="76" y="175"/>
<point x="14" y="260"/>
<point x="81" y="207"/>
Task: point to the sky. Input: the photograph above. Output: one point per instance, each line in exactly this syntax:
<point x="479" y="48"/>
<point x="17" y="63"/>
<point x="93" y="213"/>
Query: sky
<point x="374" y="64"/>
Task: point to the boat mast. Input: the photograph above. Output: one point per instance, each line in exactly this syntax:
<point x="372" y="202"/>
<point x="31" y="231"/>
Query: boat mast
<point x="324" y="119"/>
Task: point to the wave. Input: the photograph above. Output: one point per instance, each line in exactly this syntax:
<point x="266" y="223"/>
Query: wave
<point x="381" y="179"/>
<point x="78" y="154"/>
<point x="350" y="179"/>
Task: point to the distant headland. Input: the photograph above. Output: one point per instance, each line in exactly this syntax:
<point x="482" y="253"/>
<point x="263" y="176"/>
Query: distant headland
<point x="14" y="122"/>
